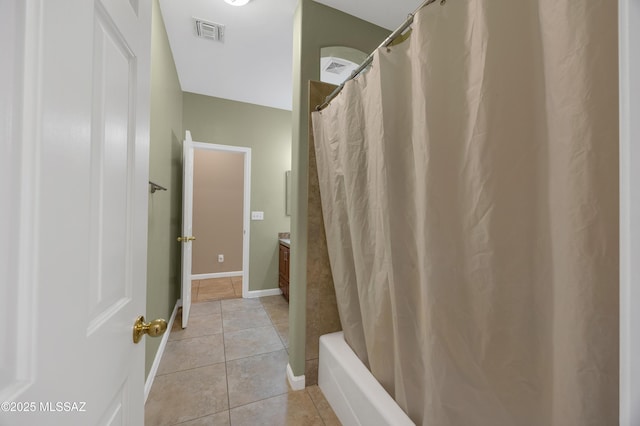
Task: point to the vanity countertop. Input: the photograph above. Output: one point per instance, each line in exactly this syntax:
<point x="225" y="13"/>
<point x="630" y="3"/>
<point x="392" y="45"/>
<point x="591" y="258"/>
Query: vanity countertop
<point x="285" y="241"/>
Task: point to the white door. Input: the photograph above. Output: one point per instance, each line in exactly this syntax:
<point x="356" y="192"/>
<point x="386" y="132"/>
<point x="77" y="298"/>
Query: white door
<point x="74" y="105"/>
<point x="187" y="226"/>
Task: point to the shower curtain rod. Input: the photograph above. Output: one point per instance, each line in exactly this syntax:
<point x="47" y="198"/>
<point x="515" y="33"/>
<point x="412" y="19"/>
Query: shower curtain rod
<point x="387" y="41"/>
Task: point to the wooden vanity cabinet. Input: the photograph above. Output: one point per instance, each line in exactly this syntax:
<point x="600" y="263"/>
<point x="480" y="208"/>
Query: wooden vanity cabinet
<point x="283" y="281"/>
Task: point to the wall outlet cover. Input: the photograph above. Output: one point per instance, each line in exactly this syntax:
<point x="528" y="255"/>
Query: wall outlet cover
<point x="220" y="258"/>
<point x="257" y="215"/>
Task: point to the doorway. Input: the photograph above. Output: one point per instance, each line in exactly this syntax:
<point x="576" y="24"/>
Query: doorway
<point x="218" y="194"/>
<point x="217" y="190"/>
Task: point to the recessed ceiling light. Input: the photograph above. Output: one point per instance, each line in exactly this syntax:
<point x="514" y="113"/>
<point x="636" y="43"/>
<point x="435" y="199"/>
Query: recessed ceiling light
<point x="237" y="2"/>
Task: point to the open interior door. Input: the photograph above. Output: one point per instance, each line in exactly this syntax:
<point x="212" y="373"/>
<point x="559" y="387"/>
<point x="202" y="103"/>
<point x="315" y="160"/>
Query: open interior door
<point x="187" y="237"/>
<point x="74" y="101"/>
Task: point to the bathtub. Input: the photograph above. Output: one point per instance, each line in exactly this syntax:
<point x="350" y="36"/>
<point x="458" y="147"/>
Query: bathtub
<point x="352" y="391"/>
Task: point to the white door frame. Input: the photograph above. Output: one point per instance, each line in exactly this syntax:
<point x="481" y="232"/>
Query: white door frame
<point x="192" y="146"/>
<point x="629" y="62"/>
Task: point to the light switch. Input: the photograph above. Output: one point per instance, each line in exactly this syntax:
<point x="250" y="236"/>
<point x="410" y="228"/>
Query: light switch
<point x="257" y="215"/>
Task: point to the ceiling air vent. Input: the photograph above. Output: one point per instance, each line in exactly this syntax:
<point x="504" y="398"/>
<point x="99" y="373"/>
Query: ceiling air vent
<point x="209" y="30"/>
<point x="335" y="66"/>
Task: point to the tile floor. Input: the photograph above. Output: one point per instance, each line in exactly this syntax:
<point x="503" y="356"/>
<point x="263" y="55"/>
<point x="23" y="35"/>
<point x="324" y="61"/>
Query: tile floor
<point x="216" y="289"/>
<point x="228" y="368"/>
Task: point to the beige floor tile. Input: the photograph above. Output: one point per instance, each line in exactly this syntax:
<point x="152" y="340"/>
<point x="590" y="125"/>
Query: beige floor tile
<point x="205" y="308"/>
<point x="277" y="313"/>
<point x="187" y="395"/>
<point x="191" y="353"/>
<point x="237" y="288"/>
<point x="257" y="377"/>
<point x="215" y="289"/>
<point x="194" y="289"/>
<point x="240" y="305"/>
<point x="241" y="320"/>
<point x="293" y="408"/>
<point x="212" y="296"/>
<point x="326" y="412"/>
<point x="219" y="419"/>
<point x="216" y="281"/>
<point x="204" y="325"/>
<point x="283" y="331"/>
<point x="252" y="341"/>
<point x="278" y="300"/>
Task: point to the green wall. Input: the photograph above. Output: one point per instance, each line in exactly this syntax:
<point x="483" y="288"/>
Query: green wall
<point x="165" y="169"/>
<point x="267" y="131"/>
<point x="315" y="26"/>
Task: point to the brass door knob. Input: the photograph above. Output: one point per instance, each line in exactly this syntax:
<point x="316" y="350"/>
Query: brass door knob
<point x="186" y="239"/>
<point x="154" y="328"/>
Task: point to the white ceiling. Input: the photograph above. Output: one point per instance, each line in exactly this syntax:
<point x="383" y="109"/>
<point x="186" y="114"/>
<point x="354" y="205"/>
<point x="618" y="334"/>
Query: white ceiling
<point x="254" y="63"/>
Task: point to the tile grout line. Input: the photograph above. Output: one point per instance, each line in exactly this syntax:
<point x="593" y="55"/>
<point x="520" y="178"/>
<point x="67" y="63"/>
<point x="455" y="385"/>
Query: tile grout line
<point x="197" y="337"/>
<point x="189" y="369"/>
<point x="313" y="401"/>
<point x="274" y="324"/>
<point x="203" y="366"/>
<point x="226" y="370"/>
<point x="260" y="400"/>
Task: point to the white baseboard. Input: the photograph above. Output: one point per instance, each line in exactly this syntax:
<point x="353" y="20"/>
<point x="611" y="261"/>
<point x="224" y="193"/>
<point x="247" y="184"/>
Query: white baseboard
<point x="296" y="382"/>
<point x="159" y="352"/>
<point x="262" y="293"/>
<point x="216" y="275"/>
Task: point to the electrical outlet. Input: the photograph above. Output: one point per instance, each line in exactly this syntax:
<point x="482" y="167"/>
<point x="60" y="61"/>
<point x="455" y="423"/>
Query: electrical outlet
<point x="220" y="258"/>
<point x="257" y="215"/>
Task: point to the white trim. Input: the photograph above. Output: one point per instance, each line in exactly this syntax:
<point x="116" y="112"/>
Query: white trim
<point x="296" y="382"/>
<point x="156" y="361"/>
<point x="216" y="275"/>
<point x="218" y="147"/>
<point x="260" y="293"/>
<point x="629" y="66"/>
<point x="246" y="214"/>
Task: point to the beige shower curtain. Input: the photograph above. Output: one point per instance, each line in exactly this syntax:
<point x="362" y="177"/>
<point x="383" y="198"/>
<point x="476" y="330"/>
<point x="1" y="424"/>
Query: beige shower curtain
<point x="469" y="183"/>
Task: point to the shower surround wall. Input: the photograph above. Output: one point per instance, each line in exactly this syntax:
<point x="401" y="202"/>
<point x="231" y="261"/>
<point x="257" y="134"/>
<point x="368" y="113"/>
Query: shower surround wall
<point x="322" y="308"/>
